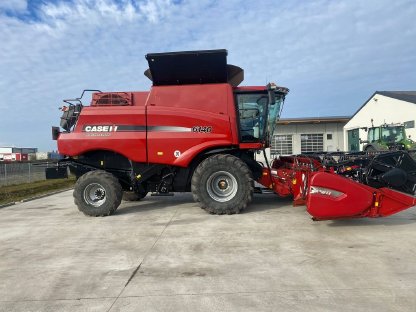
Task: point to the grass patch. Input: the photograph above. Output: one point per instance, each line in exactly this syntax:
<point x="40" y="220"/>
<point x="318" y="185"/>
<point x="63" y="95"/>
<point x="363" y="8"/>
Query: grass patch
<point x="13" y="193"/>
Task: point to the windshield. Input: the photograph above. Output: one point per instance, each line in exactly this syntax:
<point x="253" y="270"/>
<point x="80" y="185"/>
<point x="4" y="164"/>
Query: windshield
<point x="392" y="134"/>
<point x="254" y="122"/>
<point x="274" y="114"/>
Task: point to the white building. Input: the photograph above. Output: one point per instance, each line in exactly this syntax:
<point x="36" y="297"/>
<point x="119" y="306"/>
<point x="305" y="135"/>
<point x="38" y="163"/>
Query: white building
<point x="312" y="134"/>
<point x="21" y="150"/>
<point x="383" y="107"/>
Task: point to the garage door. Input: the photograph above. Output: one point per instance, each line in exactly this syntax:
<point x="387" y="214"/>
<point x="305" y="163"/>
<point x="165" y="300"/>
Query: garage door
<point x="282" y="144"/>
<point x="313" y="142"/>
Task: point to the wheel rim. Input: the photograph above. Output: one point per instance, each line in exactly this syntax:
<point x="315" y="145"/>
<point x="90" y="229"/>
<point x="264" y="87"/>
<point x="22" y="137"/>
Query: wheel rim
<point x="222" y="186"/>
<point x="95" y="195"/>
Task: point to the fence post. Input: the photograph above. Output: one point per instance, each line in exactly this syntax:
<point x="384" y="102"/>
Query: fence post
<point x="5" y="174"/>
<point x="30" y="180"/>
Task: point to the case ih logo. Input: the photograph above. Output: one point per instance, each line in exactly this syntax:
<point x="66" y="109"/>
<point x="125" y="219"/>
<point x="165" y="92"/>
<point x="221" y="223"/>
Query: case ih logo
<point x="139" y="128"/>
<point x="100" y="128"/>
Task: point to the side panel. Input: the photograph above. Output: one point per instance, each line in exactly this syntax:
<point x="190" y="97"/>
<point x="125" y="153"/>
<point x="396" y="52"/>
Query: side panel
<point x="185" y="120"/>
<point x="181" y="122"/>
<point x="125" y="134"/>
<point x="332" y="197"/>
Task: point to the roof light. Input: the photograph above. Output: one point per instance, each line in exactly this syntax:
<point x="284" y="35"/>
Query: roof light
<point x="271" y="86"/>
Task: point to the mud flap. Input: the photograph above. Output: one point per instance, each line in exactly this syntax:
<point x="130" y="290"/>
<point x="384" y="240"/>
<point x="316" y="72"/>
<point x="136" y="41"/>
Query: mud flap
<point x="56" y="173"/>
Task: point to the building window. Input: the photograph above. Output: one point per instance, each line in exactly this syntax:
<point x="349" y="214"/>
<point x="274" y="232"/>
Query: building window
<point x="329" y="136"/>
<point x="311" y="142"/>
<point x="282" y="144"/>
<point x="409" y="124"/>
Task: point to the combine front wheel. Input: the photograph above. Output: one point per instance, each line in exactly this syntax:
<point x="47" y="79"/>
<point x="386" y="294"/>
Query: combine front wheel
<point x="97" y="193"/>
<point x="222" y="184"/>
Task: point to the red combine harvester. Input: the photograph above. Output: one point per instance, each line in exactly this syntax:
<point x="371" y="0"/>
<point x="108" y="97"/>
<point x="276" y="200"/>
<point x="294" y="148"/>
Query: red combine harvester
<point x="198" y="131"/>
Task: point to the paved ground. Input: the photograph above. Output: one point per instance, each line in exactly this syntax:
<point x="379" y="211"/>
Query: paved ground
<point x="166" y="254"/>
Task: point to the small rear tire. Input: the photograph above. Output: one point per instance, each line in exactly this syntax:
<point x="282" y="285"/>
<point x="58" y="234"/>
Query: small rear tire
<point x="222" y="184"/>
<point x="97" y="193"/>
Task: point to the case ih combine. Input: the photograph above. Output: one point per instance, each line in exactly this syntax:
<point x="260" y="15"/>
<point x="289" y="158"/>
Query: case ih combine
<point x="198" y="131"/>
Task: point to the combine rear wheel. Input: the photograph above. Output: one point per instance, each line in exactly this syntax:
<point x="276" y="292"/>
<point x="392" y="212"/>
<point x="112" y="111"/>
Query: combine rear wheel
<point x="97" y="193"/>
<point x="222" y="184"/>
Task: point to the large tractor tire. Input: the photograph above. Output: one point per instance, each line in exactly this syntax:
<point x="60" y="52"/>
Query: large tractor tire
<point x="97" y="193"/>
<point x="134" y="196"/>
<point x="222" y="184"/>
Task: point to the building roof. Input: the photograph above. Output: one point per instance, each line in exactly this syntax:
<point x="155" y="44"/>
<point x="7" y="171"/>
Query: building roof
<point x="304" y="120"/>
<point x="407" y="96"/>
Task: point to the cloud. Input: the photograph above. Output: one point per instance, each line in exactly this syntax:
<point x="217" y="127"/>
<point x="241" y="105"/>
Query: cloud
<point x="13" y="5"/>
<point x="331" y="54"/>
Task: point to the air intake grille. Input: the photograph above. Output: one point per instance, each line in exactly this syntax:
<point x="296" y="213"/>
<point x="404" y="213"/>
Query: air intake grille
<point x="111" y="99"/>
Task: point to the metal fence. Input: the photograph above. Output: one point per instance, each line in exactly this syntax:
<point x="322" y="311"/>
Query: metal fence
<point x="17" y="173"/>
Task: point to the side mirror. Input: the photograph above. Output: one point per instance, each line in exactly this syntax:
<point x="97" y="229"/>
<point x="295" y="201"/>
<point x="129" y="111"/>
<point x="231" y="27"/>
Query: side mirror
<point x="364" y="128"/>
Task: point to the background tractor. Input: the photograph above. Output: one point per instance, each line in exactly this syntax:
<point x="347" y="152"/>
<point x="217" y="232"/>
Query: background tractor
<point x="387" y="137"/>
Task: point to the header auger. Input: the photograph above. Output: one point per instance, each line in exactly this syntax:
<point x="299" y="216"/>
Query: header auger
<point x="347" y="185"/>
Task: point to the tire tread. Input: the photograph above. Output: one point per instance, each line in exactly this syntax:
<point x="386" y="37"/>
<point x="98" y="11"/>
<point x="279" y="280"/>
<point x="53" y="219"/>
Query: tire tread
<point x="208" y="165"/>
<point x="104" y="210"/>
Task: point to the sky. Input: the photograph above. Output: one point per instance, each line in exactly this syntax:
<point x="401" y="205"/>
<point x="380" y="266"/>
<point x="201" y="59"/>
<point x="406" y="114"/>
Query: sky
<point x="332" y="55"/>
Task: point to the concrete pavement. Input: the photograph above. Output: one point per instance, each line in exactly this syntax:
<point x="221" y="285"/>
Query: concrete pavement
<point x="166" y="254"/>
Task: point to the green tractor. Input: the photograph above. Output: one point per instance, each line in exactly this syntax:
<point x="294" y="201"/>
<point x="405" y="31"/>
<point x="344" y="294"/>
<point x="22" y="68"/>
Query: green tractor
<point x="387" y="137"/>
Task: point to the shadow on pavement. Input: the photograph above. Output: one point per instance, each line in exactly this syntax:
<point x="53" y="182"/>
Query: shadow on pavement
<point x="387" y="221"/>
<point x="262" y="202"/>
<point x="150" y="203"/>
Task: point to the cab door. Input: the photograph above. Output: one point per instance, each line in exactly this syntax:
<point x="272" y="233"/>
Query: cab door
<point x="353" y="140"/>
